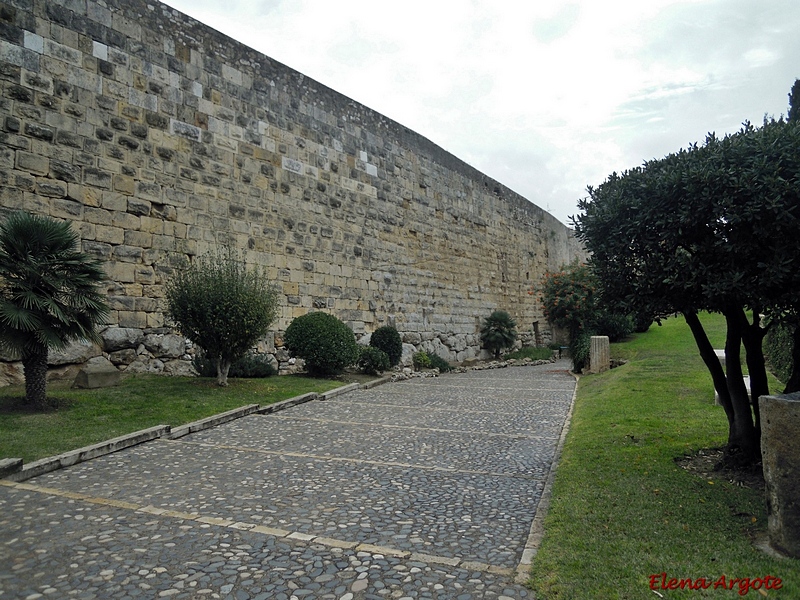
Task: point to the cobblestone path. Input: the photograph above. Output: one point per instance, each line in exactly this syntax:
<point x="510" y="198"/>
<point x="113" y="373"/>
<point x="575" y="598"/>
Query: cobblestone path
<point x="420" y="489"/>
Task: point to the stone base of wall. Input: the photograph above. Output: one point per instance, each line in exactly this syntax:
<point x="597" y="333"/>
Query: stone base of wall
<point x="160" y="351"/>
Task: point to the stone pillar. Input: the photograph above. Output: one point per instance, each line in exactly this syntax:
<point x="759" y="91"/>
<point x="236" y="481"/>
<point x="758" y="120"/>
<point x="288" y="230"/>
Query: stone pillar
<point x="780" y="430"/>
<point x="599" y="354"/>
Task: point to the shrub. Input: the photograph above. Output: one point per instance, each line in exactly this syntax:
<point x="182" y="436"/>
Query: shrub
<point x="50" y="294"/>
<point x="387" y="338"/>
<point x="324" y="342"/>
<point x="778" y="345"/>
<point x="373" y="361"/>
<point x="421" y="360"/>
<point x="616" y="326"/>
<point x="579" y="349"/>
<point x="249" y="366"/>
<point x="642" y="321"/>
<point x="437" y="362"/>
<point x="222" y="307"/>
<point x="498" y="332"/>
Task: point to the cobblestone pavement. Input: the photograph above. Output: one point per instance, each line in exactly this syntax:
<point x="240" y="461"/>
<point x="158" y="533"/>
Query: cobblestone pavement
<point x="418" y="489"/>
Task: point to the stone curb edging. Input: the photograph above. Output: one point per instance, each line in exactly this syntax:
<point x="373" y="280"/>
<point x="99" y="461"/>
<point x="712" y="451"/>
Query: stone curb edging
<point x="288" y="403"/>
<point x="13" y="469"/>
<point x="536" y="533"/>
<point x="73" y="457"/>
<point x="9" y="466"/>
<point x="372" y="384"/>
<point x="339" y="391"/>
<point x="212" y="421"/>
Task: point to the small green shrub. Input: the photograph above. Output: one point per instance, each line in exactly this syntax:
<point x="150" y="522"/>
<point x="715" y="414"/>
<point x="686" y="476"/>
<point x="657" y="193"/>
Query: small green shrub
<point x="532" y="353"/>
<point x="387" y="338"/>
<point x="437" y="362"/>
<point x="421" y="360"/>
<point x="373" y="361"/>
<point x="642" y="321"/>
<point x="498" y="332"/>
<point x="324" y="342"/>
<point x="250" y="366"/>
<point x="579" y="349"/>
<point x="778" y="350"/>
<point x="616" y="326"/>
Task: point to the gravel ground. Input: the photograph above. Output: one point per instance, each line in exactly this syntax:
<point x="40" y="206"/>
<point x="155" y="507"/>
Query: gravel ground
<point x="424" y="488"/>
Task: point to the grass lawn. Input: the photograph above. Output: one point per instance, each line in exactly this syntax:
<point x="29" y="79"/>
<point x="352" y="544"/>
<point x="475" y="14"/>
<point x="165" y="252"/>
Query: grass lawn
<point x="623" y="510"/>
<point x="89" y="416"/>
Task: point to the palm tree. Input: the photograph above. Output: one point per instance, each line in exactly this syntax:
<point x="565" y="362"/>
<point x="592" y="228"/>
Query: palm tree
<point x="48" y="294"/>
<point x="498" y="332"/>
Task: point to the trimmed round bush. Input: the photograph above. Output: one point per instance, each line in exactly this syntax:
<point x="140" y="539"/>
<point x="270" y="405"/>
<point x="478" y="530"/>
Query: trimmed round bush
<point x="373" y="361"/>
<point x="324" y="342"/>
<point x="387" y="338"/>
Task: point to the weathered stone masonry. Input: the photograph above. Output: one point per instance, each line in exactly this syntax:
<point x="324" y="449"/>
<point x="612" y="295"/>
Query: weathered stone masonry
<point x="160" y="138"/>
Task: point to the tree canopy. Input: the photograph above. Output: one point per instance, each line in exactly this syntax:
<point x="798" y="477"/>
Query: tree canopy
<point x="712" y="227"/>
<point x="222" y="306"/>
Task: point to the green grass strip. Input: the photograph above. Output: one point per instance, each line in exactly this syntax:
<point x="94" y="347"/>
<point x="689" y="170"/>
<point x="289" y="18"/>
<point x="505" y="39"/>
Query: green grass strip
<point x="87" y="417"/>
<point x="623" y="510"/>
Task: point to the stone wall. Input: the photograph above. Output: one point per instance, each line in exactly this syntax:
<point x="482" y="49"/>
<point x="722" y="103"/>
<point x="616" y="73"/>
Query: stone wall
<point x="161" y="138"/>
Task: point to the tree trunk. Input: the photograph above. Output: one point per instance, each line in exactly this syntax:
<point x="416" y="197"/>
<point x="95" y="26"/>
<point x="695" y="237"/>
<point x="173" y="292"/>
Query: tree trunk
<point x="743" y="445"/>
<point x="712" y="364"/>
<point x="223" y="366"/>
<point x="34" y="362"/>
<point x="793" y="385"/>
<point x="753" y="338"/>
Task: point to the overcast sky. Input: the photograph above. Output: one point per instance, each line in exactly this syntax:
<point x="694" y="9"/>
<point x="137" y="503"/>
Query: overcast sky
<point x="546" y="96"/>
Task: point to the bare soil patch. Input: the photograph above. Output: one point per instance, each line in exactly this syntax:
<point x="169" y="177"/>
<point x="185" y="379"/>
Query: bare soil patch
<point x="707" y="463"/>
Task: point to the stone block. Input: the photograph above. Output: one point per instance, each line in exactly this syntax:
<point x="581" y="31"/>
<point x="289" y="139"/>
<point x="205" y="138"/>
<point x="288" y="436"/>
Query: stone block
<point x="599" y="354"/>
<point x="32" y="163"/>
<point x="9" y="466"/>
<point x="122" y="357"/>
<point x="73" y="353"/>
<point x="121" y="338"/>
<point x="780" y="430"/>
<point x="97" y="375"/>
<point x="165" y="345"/>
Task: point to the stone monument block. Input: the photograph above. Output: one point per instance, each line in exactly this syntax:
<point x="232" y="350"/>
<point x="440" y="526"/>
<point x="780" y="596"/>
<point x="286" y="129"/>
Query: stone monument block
<point x="780" y="430"/>
<point x="97" y="373"/>
<point x="599" y="354"/>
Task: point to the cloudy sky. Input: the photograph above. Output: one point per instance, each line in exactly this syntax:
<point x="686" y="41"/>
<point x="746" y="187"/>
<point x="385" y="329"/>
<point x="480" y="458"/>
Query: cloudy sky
<point x="549" y="96"/>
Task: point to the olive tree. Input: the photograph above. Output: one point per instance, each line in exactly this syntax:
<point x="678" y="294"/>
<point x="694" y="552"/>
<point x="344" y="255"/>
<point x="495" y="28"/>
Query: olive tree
<point x="709" y="228"/>
<point x="222" y="306"/>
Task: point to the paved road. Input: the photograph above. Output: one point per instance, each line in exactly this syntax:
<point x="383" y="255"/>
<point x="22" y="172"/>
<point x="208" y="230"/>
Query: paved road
<point x="420" y="489"/>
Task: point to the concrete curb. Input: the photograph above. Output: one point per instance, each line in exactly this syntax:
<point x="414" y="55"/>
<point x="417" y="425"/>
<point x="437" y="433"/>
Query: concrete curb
<point x="13" y="469"/>
<point x="339" y="391"/>
<point x="9" y="466"/>
<point x="288" y="403"/>
<point x="52" y="463"/>
<point x="212" y="421"/>
<point x="536" y="533"/>
<point x="372" y="384"/>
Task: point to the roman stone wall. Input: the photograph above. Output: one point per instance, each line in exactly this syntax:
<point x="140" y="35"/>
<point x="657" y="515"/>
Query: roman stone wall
<point x="161" y="139"/>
